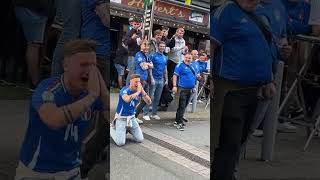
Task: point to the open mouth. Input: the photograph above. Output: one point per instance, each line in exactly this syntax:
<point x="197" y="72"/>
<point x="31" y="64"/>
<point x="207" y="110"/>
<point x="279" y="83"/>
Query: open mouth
<point x="84" y="79"/>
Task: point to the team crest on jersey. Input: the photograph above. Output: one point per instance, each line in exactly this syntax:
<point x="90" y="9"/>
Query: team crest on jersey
<point x="47" y="96"/>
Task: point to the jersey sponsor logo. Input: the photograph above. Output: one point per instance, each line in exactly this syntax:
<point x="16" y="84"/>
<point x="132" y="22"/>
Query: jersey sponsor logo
<point x="244" y="20"/>
<point x="47" y="96"/>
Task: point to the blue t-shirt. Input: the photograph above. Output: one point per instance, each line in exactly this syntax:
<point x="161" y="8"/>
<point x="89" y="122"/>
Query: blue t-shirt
<point x="186" y="78"/>
<point x="244" y="55"/>
<point x="93" y="28"/>
<point x="139" y="58"/>
<point x="202" y="66"/>
<point x="275" y="17"/>
<point x="52" y="150"/>
<point x="273" y="14"/>
<point x="124" y="108"/>
<point x="195" y="66"/>
<point x="298" y="14"/>
<point x="159" y="61"/>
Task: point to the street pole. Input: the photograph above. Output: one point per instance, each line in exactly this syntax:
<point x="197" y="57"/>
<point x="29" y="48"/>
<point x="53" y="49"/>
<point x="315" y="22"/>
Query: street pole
<point x="271" y="121"/>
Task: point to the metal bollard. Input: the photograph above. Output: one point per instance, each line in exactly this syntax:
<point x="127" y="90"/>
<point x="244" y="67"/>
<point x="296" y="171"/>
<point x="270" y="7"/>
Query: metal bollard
<point x="271" y="121"/>
<point x="194" y="99"/>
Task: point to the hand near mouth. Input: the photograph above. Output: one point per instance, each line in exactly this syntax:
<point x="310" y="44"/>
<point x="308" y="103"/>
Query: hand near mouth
<point x="93" y="81"/>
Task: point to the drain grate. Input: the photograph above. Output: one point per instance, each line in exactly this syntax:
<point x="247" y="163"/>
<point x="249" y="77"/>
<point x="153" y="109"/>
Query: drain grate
<point x="178" y="150"/>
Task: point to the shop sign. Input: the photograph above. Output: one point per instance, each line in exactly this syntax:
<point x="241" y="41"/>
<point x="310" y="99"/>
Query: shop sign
<point x="172" y="10"/>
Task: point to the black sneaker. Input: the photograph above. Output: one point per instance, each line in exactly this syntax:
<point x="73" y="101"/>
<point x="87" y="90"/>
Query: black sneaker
<point x="185" y="120"/>
<point x="180" y="127"/>
<point x="175" y="124"/>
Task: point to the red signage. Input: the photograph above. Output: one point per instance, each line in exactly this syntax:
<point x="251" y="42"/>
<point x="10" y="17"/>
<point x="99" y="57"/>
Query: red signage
<point x="167" y="9"/>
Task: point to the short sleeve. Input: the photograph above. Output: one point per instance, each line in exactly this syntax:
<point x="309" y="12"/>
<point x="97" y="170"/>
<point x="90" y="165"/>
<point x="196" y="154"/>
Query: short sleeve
<point x="221" y="23"/>
<point x="138" y="59"/>
<point x="177" y="70"/>
<point x="151" y="57"/>
<point x="123" y="91"/>
<point x="42" y="95"/>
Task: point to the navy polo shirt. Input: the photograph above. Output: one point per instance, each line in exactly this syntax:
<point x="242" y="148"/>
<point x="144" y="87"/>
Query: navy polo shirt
<point x="186" y="78"/>
<point x="243" y="55"/>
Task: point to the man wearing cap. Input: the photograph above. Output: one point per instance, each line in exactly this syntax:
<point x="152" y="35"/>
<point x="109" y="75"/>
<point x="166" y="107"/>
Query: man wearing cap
<point x="133" y="40"/>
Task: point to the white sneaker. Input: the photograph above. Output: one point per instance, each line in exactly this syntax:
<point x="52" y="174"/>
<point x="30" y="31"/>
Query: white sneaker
<point x="147" y="118"/>
<point x="258" y="133"/>
<point x="155" y="117"/>
<point x="139" y="121"/>
<point x="286" y="127"/>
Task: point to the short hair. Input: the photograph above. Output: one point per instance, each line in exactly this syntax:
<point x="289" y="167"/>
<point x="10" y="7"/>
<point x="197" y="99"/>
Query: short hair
<point x="180" y="29"/>
<point x="156" y="32"/>
<point x="188" y="53"/>
<point x="162" y="42"/>
<point x="136" y="19"/>
<point x="202" y="54"/>
<point x="134" y="76"/>
<point x="164" y="28"/>
<point x="79" y="45"/>
<point x="144" y="41"/>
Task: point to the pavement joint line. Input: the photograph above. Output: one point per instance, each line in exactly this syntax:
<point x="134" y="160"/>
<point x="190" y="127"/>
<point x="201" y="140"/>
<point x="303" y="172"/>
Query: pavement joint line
<point x="177" y="158"/>
<point x="177" y="143"/>
<point x="179" y="150"/>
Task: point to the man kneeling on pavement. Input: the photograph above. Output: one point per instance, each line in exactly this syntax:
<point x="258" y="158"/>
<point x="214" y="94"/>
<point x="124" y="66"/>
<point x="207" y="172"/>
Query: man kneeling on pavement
<point x="125" y="120"/>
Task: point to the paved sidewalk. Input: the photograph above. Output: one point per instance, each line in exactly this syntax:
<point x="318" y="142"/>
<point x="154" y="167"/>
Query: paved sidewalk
<point x="290" y="162"/>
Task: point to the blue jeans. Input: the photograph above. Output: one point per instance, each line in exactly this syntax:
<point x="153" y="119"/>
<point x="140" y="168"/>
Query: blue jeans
<point x="130" y="68"/>
<point x="155" y="94"/>
<point x="71" y="16"/>
<point x="118" y="133"/>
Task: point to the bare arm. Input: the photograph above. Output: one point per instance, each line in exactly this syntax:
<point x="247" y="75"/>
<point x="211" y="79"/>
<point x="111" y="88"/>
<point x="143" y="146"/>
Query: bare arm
<point x="166" y="74"/>
<point x="146" y="98"/>
<point x="58" y="117"/>
<point x="174" y="80"/>
<point x="127" y="98"/>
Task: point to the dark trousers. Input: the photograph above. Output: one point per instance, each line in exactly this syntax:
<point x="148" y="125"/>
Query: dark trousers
<point x="170" y="67"/>
<point x="184" y="97"/>
<point x="237" y="115"/>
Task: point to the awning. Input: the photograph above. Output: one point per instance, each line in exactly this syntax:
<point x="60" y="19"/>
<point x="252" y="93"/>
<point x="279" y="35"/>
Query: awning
<point x="126" y="11"/>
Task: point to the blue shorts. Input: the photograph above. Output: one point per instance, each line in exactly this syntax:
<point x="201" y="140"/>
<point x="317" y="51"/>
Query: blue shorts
<point x="120" y="69"/>
<point x="33" y="24"/>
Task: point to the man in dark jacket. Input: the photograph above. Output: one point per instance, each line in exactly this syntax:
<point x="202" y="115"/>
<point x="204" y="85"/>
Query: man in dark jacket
<point x="133" y="40"/>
